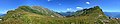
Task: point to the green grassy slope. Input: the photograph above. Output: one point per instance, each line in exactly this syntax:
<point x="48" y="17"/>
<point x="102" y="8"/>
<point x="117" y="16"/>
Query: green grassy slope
<point x="39" y="15"/>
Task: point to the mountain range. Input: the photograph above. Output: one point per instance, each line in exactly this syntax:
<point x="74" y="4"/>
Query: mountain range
<point x="2" y="14"/>
<point x="109" y="14"/>
<point x="66" y="13"/>
<point x="113" y="14"/>
<point x="41" y="15"/>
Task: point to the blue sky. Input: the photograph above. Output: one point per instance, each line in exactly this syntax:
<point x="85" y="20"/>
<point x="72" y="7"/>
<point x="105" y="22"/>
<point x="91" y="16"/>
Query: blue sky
<point x="62" y="5"/>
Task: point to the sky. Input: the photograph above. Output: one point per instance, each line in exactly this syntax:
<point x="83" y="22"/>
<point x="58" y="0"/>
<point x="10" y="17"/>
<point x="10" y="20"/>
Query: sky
<point x="61" y="5"/>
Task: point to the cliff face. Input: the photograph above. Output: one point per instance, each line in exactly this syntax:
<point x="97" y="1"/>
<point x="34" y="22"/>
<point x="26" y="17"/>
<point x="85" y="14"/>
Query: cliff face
<point x="40" y="15"/>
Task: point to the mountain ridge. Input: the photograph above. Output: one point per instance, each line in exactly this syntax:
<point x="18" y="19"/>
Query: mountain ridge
<point x="40" y="15"/>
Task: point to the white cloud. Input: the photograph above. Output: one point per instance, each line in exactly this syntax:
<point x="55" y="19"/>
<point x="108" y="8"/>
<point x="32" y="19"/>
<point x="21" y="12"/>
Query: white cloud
<point x="49" y="0"/>
<point x="79" y="8"/>
<point x="68" y="9"/>
<point x="87" y="2"/>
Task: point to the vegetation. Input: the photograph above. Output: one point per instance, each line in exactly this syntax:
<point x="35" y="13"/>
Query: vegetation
<point x="40" y="15"/>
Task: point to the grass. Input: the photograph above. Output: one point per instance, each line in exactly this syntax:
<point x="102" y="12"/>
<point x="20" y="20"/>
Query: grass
<point x="19" y="16"/>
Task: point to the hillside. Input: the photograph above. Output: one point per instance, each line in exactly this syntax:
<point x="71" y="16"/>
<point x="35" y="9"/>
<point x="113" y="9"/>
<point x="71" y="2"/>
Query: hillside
<point x="41" y="15"/>
<point x="39" y="10"/>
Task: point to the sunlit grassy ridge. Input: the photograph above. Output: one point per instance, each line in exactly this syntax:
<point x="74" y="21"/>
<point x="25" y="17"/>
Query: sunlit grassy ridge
<point x="40" y="15"/>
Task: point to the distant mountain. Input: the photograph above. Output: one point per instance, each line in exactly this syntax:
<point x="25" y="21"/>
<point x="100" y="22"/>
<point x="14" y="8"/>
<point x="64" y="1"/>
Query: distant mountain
<point x="2" y="14"/>
<point x="41" y="15"/>
<point x="66" y="13"/>
<point x="113" y="14"/>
